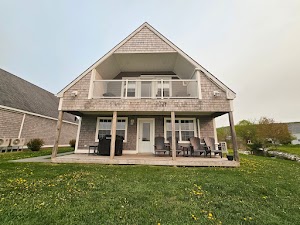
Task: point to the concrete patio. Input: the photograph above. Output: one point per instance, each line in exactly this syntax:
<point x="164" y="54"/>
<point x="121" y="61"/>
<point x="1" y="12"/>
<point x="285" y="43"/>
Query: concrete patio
<point x="146" y="159"/>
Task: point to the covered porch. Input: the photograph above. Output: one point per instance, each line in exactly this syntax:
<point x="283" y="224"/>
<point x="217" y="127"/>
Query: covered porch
<point x="140" y="146"/>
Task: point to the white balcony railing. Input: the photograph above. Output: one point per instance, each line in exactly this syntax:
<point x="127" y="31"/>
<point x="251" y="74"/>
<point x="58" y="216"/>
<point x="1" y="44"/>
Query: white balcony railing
<point x="145" y="89"/>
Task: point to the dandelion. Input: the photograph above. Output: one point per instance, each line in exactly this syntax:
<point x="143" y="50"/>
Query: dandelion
<point x="194" y="217"/>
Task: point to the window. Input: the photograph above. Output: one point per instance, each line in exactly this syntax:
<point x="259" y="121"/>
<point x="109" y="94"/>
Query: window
<point x="184" y="129"/>
<point x="104" y="127"/>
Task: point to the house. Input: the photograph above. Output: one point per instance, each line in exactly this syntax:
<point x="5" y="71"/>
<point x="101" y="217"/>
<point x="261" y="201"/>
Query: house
<point x="294" y="129"/>
<point x="143" y="88"/>
<point x="28" y="111"/>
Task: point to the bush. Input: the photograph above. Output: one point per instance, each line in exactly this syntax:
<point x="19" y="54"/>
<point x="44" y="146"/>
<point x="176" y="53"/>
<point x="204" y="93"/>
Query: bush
<point x="35" y="144"/>
<point x="72" y="143"/>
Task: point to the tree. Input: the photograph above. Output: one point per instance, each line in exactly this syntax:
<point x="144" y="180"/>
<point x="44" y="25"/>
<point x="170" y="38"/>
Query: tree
<point x="246" y="130"/>
<point x="271" y="133"/>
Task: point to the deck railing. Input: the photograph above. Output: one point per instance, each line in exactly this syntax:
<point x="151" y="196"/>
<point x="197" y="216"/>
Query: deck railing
<point x="145" y="89"/>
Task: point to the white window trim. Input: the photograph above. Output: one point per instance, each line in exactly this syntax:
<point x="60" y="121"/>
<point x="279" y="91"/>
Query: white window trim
<point x="169" y="118"/>
<point x="154" y="85"/>
<point x="110" y="118"/>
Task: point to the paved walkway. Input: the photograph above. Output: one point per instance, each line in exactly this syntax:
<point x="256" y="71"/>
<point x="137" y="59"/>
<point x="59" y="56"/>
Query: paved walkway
<point x="45" y="158"/>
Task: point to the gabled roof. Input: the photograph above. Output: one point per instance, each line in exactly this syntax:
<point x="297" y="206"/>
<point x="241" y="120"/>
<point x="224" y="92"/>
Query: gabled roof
<point x="151" y="41"/>
<point x="20" y="94"/>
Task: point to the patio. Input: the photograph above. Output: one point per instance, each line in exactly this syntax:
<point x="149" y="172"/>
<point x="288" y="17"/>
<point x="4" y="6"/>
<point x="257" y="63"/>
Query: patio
<point x="147" y="159"/>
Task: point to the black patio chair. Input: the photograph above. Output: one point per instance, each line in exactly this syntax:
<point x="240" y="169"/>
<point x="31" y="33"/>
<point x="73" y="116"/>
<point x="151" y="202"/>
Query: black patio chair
<point x="213" y="146"/>
<point x="198" y="147"/>
<point x="159" y="146"/>
<point x="178" y="148"/>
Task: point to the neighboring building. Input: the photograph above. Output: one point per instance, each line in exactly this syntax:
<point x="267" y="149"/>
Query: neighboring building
<point x="144" y="85"/>
<point x="27" y="111"/>
<point x="294" y="129"/>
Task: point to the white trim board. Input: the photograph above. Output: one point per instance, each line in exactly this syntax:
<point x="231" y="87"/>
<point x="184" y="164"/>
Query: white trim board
<point x="31" y="113"/>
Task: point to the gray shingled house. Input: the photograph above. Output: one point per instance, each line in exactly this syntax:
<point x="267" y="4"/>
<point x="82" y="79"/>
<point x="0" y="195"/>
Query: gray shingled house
<point x="146" y="87"/>
<point x="28" y="111"/>
<point x="294" y="129"/>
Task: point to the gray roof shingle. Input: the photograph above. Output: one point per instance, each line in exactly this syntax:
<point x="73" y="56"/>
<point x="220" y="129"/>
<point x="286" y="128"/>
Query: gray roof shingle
<point x="20" y="94"/>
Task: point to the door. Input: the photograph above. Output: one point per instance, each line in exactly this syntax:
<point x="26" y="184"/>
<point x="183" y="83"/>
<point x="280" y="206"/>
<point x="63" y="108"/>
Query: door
<point x="146" y="135"/>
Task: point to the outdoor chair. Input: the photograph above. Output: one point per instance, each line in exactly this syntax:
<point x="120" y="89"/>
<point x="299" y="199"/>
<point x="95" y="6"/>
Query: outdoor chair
<point x="178" y="148"/>
<point x="213" y="146"/>
<point x="160" y="146"/>
<point x="197" y="146"/>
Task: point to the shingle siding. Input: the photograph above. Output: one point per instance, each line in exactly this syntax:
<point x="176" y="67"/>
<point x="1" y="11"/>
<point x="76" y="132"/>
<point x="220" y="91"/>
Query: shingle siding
<point x="10" y="123"/>
<point x="145" y="41"/>
<point x="34" y="127"/>
<point x="82" y="87"/>
<point x="208" y="103"/>
<point x="89" y="123"/>
<point x="156" y="105"/>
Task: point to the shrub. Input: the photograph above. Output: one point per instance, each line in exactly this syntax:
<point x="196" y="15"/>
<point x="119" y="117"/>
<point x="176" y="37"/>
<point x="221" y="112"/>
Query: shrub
<point x="72" y="143"/>
<point x="35" y="144"/>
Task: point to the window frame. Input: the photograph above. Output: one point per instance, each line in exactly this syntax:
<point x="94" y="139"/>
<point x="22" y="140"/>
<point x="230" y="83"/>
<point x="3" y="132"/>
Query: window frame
<point x="110" y="118"/>
<point x="179" y="119"/>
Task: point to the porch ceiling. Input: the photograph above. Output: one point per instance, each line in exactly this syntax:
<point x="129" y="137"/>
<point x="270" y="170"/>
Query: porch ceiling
<point x="146" y="62"/>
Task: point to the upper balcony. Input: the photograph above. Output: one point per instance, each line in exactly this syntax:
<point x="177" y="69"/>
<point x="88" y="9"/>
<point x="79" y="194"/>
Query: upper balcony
<point x="146" y="89"/>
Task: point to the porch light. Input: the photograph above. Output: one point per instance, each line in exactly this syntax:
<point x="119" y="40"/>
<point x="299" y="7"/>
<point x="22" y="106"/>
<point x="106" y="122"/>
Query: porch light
<point x="131" y="122"/>
<point x="217" y="93"/>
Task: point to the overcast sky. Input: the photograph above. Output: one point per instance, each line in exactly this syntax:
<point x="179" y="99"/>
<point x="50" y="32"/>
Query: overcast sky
<point x="253" y="46"/>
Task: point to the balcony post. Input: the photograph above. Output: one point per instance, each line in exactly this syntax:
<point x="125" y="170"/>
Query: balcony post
<point x="162" y="88"/>
<point x="198" y="77"/>
<point x="126" y="88"/>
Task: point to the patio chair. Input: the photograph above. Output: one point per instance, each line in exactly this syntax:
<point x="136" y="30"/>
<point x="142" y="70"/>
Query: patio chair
<point x="160" y="146"/>
<point x="213" y="146"/>
<point x="197" y="146"/>
<point x="178" y="148"/>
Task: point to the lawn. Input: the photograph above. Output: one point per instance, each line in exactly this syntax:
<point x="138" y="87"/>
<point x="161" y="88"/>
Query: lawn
<point x="262" y="191"/>
<point x="292" y="149"/>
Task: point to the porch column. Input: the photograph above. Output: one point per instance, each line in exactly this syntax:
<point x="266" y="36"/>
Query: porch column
<point x="113" y="135"/>
<point x="233" y="138"/>
<point x="173" y="144"/>
<point x="57" y="134"/>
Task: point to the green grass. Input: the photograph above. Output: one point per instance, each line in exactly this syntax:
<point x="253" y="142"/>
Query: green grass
<point x="292" y="149"/>
<point x="26" y="153"/>
<point x="261" y="191"/>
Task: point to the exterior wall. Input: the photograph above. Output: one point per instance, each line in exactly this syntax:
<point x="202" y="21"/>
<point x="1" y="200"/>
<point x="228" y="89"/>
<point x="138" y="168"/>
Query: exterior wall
<point x="89" y="123"/>
<point x="206" y="126"/>
<point x="34" y="127"/>
<point x="208" y="88"/>
<point x="10" y="123"/>
<point x="297" y="140"/>
<point x="145" y="41"/>
<point x="208" y="103"/>
<point x="82" y="87"/>
<point x="153" y="105"/>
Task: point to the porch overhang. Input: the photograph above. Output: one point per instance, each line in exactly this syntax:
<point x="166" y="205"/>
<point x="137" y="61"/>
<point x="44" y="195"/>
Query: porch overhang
<point x="145" y="113"/>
